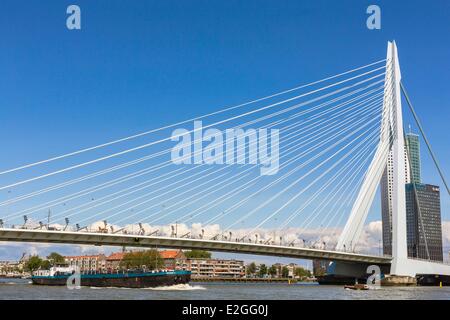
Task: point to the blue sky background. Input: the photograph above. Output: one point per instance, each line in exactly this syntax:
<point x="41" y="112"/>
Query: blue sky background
<point x="137" y="65"/>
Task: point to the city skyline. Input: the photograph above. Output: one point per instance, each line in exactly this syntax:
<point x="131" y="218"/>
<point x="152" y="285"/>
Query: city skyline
<point x="51" y="117"/>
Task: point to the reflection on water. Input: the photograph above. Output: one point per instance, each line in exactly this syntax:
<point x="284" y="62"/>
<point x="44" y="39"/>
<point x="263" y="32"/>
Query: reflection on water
<point x="22" y="289"/>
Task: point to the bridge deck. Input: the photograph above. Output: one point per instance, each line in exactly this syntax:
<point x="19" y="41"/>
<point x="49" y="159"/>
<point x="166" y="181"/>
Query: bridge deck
<point x="88" y="238"/>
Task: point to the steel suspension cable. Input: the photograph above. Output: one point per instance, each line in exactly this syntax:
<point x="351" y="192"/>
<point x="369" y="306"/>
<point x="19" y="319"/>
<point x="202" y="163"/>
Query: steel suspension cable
<point x="189" y="120"/>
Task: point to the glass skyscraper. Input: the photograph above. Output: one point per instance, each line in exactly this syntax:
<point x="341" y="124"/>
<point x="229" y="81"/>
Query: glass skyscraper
<point x="423" y="212"/>
<point x="423" y="222"/>
<point x="413" y="149"/>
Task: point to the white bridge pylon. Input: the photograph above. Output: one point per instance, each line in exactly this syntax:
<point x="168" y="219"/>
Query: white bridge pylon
<point x="391" y="139"/>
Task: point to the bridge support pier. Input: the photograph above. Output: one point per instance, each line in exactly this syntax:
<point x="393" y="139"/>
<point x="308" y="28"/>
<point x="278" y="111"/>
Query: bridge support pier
<point x="352" y="270"/>
<point x="408" y="271"/>
<point x="340" y="273"/>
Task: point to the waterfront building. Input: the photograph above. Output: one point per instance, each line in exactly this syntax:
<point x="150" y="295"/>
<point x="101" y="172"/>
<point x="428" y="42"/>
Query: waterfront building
<point x="87" y="262"/>
<point x="114" y="259"/>
<point x="173" y="259"/>
<point x="210" y="268"/>
<point x="423" y="218"/>
<point x="11" y="267"/>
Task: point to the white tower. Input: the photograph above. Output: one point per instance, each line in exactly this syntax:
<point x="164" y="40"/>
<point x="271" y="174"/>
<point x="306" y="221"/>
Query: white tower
<point x="399" y="244"/>
<point x="358" y="215"/>
<point x="392" y="144"/>
<point x="391" y="140"/>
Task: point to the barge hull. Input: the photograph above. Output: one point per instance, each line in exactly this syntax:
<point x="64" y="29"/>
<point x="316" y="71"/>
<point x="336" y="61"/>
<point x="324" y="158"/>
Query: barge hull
<point x="125" y="281"/>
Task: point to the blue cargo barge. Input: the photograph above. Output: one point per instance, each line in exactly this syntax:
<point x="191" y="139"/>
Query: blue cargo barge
<point x="58" y="276"/>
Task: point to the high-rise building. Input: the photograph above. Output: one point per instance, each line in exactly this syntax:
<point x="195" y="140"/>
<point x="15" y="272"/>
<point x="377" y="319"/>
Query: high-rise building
<point x="423" y="215"/>
<point x="413" y="147"/>
<point x="386" y="189"/>
<point x="423" y="221"/>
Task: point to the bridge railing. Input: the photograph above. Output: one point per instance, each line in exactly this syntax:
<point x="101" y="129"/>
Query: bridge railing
<point x="294" y="244"/>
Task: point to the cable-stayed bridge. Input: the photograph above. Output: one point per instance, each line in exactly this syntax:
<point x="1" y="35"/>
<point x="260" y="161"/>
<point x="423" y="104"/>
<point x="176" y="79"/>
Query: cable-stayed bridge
<point x="291" y="174"/>
<point x="94" y="238"/>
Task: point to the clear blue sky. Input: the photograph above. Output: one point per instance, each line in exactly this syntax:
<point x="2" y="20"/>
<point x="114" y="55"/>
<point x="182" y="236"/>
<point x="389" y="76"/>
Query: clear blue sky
<point x="137" y="65"/>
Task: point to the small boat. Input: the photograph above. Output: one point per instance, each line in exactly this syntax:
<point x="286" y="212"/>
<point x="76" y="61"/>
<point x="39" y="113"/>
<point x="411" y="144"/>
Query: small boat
<point x="357" y="287"/>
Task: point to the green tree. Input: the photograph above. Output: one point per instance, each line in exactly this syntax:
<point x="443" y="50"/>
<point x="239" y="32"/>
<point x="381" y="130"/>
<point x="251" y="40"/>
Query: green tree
<point x="285" y="272"/>
<point x="150" y="259"/>
<point x="33" y="263"/>
<point x="251" y="269"/>
<point x="272" y="270"/>
<point x="302" y="273"/>
<point x="45" y="264"/>
<point x="55" y="257"/>
<point x="262" y="270"/>
<point x="198" y="254"/>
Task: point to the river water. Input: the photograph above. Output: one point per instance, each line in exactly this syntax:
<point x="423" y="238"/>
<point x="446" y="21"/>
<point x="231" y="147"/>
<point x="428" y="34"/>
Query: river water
<point x="22" y="289"/>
